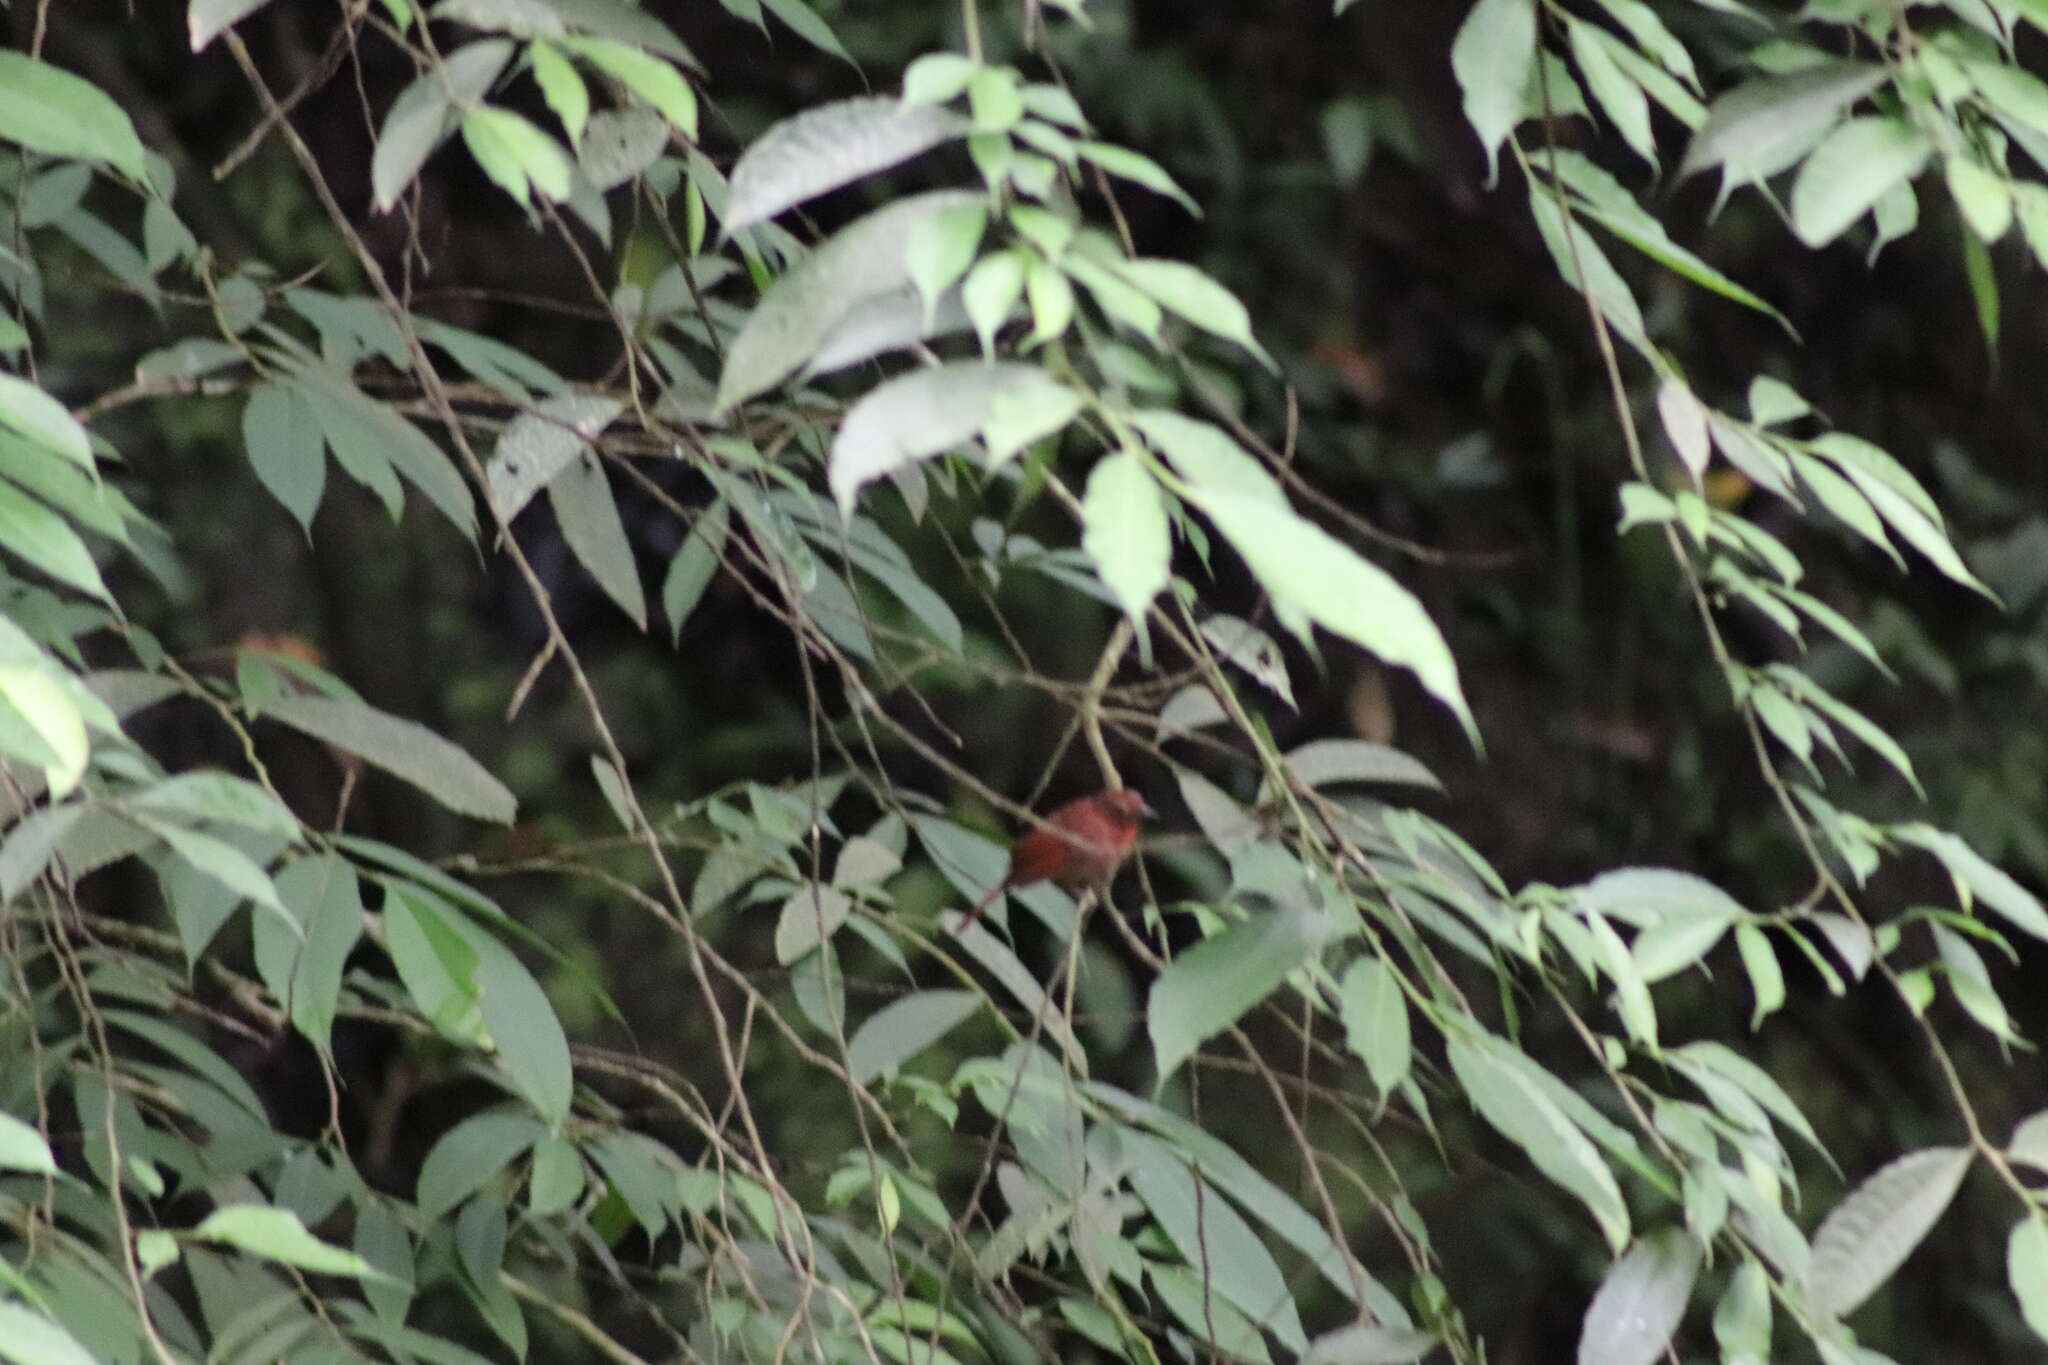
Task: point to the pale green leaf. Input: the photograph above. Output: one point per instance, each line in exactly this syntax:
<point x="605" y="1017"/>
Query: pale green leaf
<point x="1314" y="577"/>
<point x="42" y="419"/>
<point x="1639" y="1304"/>
<point x="2026" y="1270"/>
<point x="920" y="414"/>
<point x="649" y="77"/>
<point x="563" y="89"/>
<point x="1851" y="169"/>
<point x="1125" y="531"/>
<point x="278" y="1235"/>
<point x="1762" y="127"/>
<point x="801" y="312"/>
<point x="831" y="145"/>
<point x="1191" y="294"/>
<point x="22" y="1148"/>
<point x="1872" y="1231"/>
<point x="1494" y="59"/>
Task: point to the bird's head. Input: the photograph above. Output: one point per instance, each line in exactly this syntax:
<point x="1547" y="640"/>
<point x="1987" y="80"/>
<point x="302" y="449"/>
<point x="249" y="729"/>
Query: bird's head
<point x="1127" y="805"/>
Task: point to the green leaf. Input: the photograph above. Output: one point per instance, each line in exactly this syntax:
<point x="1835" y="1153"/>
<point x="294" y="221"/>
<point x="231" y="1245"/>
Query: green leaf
<point x="937" y="78"/>
<point x="469" y="1154"/>
<point x="920" y="414"/>
<point x="1365" y="1344"/>
<point x="990" y="295"/>
<point x="1494" y="59"/>
<point x="1189" y="292"/>
<point x="1126" y="531"/>
<point x="1871" y="1232"/>
<point x="543" y="442"/>
<point x="904" y="1028"/>
<point x="42" y="419"/>
<point x="942" y="247"/>
<point x="285" y="449"/>
<point x="1332" y="762"/>
<point x="1742" y="1320"/>
<point x="694" y="565"/>
<point x="36" y="534"/>
<point x="515" y="153"/>
<point x="1210" y="986"/>
<point x="278" y="1235"/>
<point x="531" y="1046"/>
<point x="32" y="691"/>
<point x="1211" y="1236"/>
<point x="1622" y="99"/>
<point x="22" y="1148"/>
<point x="322" y="894"/>
<point x="649" y="77"/>
<point x="2026" y="1270"/>
<point x="1850" y="171"/>
<point x="581" y="497"/>
<point x="208" y="19"/>
<point x="1526" y="1116"/>
<point x="861" y="263"/>
<point x="1758" y="129"/>
<point x="2030" y="1141"/>
<point x="562" y="88"/>
<point x="49" y="110"/>
<point x="1052" y="301"/>
<point x="424" y="114"/>
<point x="224" y="863"/>
<point x="830" y="145"/>
<point x="29" y="1338"/>
<point x="1376" y="1021"/>
<point x="1639" y="1304"/>
<point x="407" y="750"/>
<point x="1314" y="577"/>
<point x="1205" y="455"/>
<point x="1979" y="878"/>
<point x="219" y="796"/>
<point x="1137" y="168"/>
<point x="1766" y="979"/>
<point x="807" y="918"/>
<point x="380" y="1239"/>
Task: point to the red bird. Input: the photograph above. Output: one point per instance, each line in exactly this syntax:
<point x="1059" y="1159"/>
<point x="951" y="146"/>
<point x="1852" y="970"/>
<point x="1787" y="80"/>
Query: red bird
<point x="1080" y="845"/>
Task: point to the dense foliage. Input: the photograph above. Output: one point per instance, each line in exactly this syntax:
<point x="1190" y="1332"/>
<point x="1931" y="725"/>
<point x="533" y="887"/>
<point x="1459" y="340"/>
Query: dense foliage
<point x="791" y="446"/>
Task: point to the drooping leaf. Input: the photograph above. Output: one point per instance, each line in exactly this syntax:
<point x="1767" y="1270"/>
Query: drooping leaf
<point x="48" y="110"/>
<point x="1208" y="987"/>
<point x="584" y="508"/>
<point x="803" y="310"/>
<point x="1528" y="1116"/>
<point x="1758" y="129"/>
<point x="920" y="414"/>
<point x="278" y="1235"/>
<point x="809" y="917"/>
<point x="403" y="748"/>
<point x="1872" y="1231"/>
<point x="1494" y="59"/>
<point x="1639" y="1304"/>
<point x="831" y="145"/>
<point x="1314" y="577"/>
<point x="1125" y="531"/>
<point x="1376" y="1021"/>
<point x="424" y="114"/>
<point x="902" y="1029"/>
<point x="1213" y="1236"/>
<point x="2026" y="1270"/>
<point x="1852" y="168"/>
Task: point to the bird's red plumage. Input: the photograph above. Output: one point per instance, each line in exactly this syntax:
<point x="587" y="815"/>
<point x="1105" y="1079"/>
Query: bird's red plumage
<point x="1080" y="845"/>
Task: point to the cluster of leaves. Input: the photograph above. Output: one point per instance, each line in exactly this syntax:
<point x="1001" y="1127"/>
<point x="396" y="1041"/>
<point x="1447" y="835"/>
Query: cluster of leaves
<point x="143" y="1169"/>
